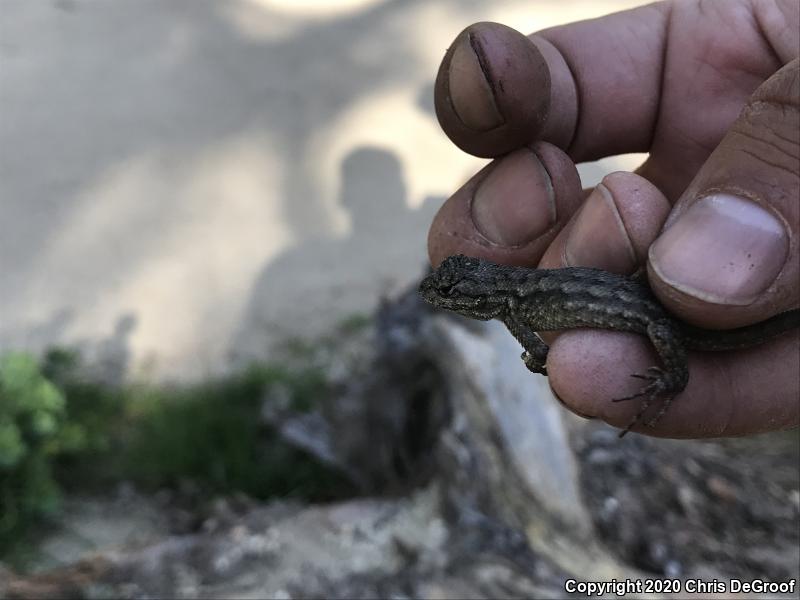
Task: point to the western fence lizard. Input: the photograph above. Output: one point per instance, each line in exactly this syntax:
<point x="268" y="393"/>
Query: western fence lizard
<point x="530" y="300"/>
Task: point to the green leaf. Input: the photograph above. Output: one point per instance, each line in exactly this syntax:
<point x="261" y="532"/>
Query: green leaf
<point x="12" y="447"/>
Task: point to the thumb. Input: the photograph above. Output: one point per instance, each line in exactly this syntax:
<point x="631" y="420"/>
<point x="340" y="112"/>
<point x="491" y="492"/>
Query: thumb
<point x="729" y="253"/>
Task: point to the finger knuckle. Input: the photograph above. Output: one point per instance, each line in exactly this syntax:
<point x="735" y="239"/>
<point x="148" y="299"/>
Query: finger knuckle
<point x="770" y="123"/>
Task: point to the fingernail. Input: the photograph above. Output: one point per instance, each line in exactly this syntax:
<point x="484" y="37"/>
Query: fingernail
<point x="514" y="203"/>
<point x="470" y="91"/>
<point x="723" y="249"/>
<point x="598" y="237"/>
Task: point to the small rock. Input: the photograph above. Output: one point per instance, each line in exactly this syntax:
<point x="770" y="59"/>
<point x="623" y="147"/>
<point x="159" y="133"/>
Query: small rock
<point x="721" y="488"/>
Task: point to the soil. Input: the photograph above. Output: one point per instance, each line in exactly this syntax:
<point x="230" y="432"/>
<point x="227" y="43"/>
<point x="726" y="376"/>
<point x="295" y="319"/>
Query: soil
<point x="718" y="508"/>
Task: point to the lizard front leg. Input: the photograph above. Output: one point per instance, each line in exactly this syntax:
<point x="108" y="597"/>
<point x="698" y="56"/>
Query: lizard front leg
<point x="535" y="355"/>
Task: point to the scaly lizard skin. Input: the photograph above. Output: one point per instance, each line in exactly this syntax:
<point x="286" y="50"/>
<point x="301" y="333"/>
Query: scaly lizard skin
<point x="530" y="300"/>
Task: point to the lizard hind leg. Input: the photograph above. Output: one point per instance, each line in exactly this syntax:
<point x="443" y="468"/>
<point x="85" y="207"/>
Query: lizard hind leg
<point x="662" y="382"/>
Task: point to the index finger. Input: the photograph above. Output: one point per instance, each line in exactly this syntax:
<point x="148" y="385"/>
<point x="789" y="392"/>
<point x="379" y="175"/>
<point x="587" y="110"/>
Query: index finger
<point x="610" y="84"/>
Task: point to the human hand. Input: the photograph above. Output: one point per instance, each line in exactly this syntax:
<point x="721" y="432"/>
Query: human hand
<point x="712" y="92"/>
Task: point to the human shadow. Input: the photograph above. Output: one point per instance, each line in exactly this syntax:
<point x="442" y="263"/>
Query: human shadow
<point x="99" y="154"/>
<point x="112" y="355"/>
<point x="325" y="272"/>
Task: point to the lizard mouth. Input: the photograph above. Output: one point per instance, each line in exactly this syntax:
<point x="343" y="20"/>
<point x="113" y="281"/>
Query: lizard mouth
<point x="439" y="295"/>
<point x="427" y="289"/>
<point x="455" y="286"/>
<point x="437" y="292"/>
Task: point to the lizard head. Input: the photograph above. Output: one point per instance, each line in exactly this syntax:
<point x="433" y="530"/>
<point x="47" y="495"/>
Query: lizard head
<point x="464" y="285"/>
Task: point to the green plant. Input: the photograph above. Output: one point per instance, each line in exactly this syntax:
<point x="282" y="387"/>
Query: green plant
<point x="61" y="431"/>
<point x="212" y="434"/>
<point x="34" y="431"/>
<point x="354" y="322"/>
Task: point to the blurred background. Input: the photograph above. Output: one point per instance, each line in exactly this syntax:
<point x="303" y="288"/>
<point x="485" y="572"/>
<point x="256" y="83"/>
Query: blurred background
<point x="215" y="377"/>
<point x="196" y="181"/>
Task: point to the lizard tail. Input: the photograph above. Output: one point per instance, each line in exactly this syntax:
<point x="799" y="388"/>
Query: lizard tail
<point x="742" y="337"/>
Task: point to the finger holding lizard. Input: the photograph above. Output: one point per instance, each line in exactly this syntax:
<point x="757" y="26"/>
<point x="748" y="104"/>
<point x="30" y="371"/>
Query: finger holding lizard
<point x="680" y="120"/>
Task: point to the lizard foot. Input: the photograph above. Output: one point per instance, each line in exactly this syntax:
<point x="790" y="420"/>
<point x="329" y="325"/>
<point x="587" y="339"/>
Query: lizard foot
<point x="534" y="363"/>
<point x="658" y="386"/>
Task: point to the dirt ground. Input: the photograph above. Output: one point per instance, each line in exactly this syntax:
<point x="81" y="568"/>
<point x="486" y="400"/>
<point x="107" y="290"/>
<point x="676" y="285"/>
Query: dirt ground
<point x="725" y="508"/>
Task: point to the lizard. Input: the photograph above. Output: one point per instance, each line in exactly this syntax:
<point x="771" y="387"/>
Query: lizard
<point x="529" y="300"/>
